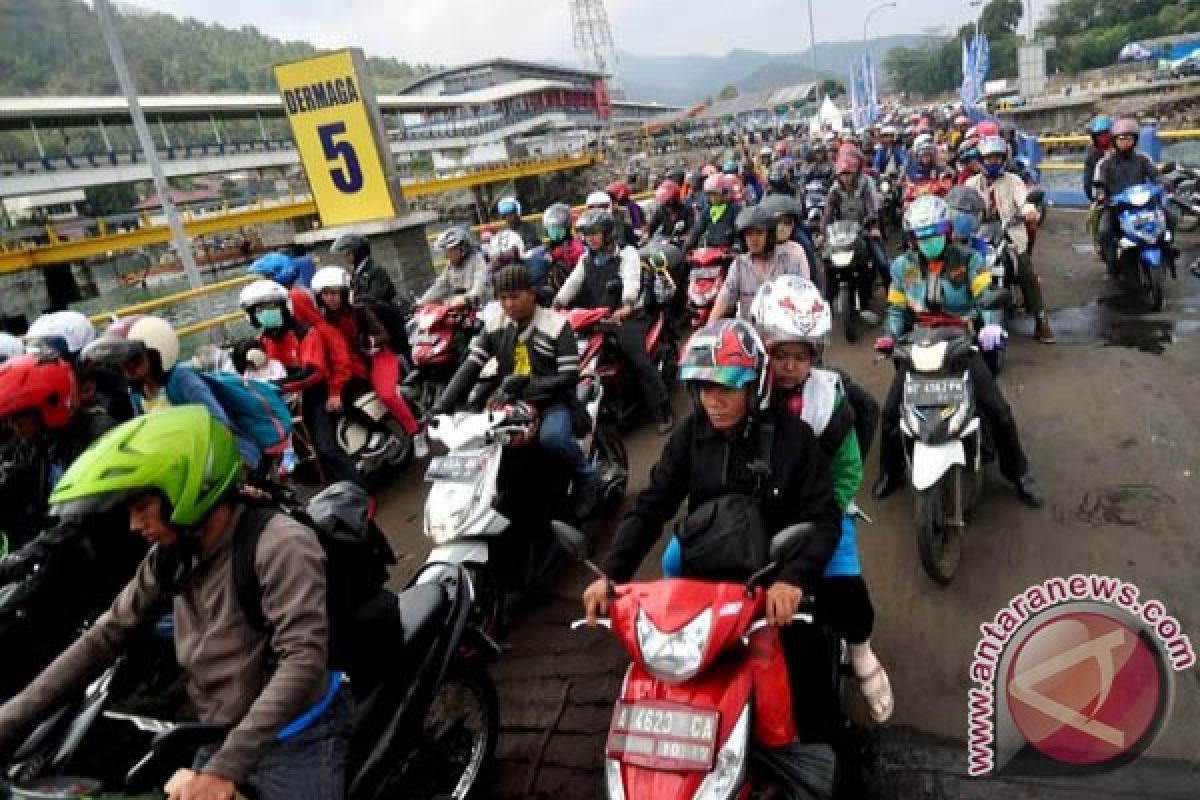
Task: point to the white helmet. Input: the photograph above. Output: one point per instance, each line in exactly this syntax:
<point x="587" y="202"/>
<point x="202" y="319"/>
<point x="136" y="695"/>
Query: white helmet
<point x="790" y="308"/>
<point x="599" y="200"/>
<point x="451" y="237"/>
<point x="65" y="332"/>
<point x="10" y="346"/>
<point x="137" y="333"/>
<point x="264" y="293"/>
<point x="504" y="242"/>
<point x="923" y="143"/>
<point x="330" y="278"/>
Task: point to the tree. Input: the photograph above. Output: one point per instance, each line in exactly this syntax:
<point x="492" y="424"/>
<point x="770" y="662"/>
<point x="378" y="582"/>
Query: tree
<point x="832" y="88"/>
<point x="1000" y="18"/>
<point x="104" y="201"/>
<point x="728" y="92"/>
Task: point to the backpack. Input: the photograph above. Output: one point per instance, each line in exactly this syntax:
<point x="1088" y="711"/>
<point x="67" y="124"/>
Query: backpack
<point x="256" y="408"/>
<point x="392" y="319"/>
<point x="357" y="556"/>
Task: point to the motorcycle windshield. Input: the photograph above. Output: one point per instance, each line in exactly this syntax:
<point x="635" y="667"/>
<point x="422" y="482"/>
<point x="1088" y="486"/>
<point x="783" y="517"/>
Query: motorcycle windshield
<point x="843" y="233"/>
<point x="1139" y="195"/>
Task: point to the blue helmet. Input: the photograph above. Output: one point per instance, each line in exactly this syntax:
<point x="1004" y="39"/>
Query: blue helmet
<point x="508" y="206"/>
<point x="730" y="167"/>
<point x="276" y="267"/>
<point x="1101" y="124"/>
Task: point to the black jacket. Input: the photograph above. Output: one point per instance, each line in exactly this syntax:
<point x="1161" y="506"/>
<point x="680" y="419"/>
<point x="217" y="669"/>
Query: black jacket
<point x="1117" y="172"/>
<point x="371" y="282"/>
<point x="666" y="216"/>
<point x="721" y="233"/>
<point x="699" y="464"/>
<point x="1094" y="154"/>
<point x="553" y="359"/>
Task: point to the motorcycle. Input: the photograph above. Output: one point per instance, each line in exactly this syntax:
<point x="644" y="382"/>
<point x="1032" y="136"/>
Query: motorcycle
<point x="705" y="708"/>
<point x="599" y="356"/>
<point x="889" y="190"/>
<point x="943" y="435"/>
<point x="372" y="438"/>
<point x="439" y="337"/>
<point x="1001" y="262"/>
<point x="707" y="267"/>
<point x="846" y="256"/>
<point x="426" y="718"/>
<point x="1183" y="192"/>
<point x="816" y="193"/>
<point x="1146" y="245"/>
<point x="491" y="483"/>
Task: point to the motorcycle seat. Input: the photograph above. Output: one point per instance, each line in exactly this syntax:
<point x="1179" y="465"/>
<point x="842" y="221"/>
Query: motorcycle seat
<point x="422" y="611"/>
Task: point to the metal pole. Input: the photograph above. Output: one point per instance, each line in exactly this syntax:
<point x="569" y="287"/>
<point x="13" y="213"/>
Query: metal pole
<point x="104" y="15"/>
<point x="812" y="45"/>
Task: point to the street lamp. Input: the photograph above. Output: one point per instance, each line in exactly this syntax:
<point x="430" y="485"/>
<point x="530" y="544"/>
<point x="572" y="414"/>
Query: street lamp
<point x="812" y="46"/>
<point x="867" y="19"/>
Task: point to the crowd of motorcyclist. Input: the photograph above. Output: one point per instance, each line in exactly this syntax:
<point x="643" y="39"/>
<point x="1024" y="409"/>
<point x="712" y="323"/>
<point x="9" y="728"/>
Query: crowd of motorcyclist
<point x="774" y="434"/>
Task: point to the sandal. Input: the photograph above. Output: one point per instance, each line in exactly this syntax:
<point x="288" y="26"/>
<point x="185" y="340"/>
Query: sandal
<point x="880" y="701"/>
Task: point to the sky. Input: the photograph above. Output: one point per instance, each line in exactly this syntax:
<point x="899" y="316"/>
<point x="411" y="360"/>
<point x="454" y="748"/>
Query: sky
<point x="455" y="31"/>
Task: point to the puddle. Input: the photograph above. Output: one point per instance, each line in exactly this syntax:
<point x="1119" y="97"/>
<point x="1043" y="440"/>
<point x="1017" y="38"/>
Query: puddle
<point x="1131" y="505"/>
<point x="1119" y="320"/>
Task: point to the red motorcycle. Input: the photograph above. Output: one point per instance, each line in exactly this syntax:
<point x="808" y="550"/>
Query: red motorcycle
<point x="708" y="682"/>
<point x="706" y="274"/>
<point x="439" y="337"/>
<point x="599" y="356"/>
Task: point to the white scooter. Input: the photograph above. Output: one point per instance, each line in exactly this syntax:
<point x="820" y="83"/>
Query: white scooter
<point x="943" y="438"/>
<point x="465" y="510"/>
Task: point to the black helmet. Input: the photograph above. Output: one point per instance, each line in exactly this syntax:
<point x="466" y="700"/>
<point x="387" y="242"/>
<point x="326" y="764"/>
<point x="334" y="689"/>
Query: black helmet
<point x="354" y="244"/>
<point x="779" y="181"/>
<point x="781" y="205"/>
<point x="597" y="220"/>
<point x="756" y="217"/>
<point x="966" y="200"/>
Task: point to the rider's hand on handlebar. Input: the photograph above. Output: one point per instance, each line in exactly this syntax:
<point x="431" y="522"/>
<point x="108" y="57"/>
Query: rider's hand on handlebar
<point x="620" y="315"/>
<point x="595" y="600"/>
<point x="885" y="345"/>
<point x="334" y="404"/>
<point x="991" y="336"/>
<point x="202" y="786"/>
<point x="783" y="600"/>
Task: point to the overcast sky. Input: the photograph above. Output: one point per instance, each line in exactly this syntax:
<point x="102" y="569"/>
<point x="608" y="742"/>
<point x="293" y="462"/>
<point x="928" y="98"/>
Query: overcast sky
<point x="454" y="31"/>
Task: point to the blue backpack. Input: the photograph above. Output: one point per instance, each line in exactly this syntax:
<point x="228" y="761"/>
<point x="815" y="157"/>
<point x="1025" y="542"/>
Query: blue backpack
<point x="255" y="408"/>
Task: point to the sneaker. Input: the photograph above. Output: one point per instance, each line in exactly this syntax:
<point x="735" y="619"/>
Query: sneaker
<point x="420" y="444"/>
<point x="1029" y="492"/>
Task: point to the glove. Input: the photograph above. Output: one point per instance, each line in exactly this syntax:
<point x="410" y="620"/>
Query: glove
<point x="992" y="336"/>
<point x="514" y="386"/>
<point x="885" y="344"/>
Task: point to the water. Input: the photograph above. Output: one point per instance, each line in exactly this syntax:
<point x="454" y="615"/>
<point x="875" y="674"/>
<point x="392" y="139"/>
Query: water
<point x="1065" y="187"/>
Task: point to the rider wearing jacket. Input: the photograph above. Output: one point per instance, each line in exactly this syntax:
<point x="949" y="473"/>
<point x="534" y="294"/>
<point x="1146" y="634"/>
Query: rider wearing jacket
<point x="370" y="282"/>
<point x="853" y="197"/>
<point x="39" y="400"/>
<point x="670" y="211"/>
<point x="1102" y="139"/>
<point x="1005" y="194"/>
<point x="464" y="278"/>
<point x="763" y="260"/>
<point x="303" y="350"/>
<point x="715" y="224"/>
<point x="938" y="275"/>
<point x="509" y="210"/>
<point x="538" y="362"/>
<point x="176" y="473"/>
<point x="890" y="157"/>
<point x="794" y="322"/>
<point x="590" y="285"/>
<point x="1116" y="172"/>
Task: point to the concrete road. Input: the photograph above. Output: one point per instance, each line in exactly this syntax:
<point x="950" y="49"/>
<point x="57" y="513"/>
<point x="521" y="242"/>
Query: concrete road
<point x="1109" y="421"/>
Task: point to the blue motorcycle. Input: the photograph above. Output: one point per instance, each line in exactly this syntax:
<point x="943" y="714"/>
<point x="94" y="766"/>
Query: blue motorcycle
<point x="1144" y="246"/>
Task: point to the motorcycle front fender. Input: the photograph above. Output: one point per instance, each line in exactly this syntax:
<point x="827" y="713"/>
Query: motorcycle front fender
<point x="930" y="462"/>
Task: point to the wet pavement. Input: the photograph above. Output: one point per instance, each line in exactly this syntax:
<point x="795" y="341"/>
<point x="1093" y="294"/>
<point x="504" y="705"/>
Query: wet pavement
<point x="1108" y="419"/>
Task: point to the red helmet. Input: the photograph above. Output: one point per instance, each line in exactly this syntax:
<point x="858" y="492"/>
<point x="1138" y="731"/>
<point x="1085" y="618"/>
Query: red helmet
<point x="41" y="383"/>
<point x="618" y="191"/>
<point x="846" y="162"/>
<point x="666" y="193"/>
<point x="781" y="148"/>
<point x="989" y="127"/>
<point x="709" y="169"/>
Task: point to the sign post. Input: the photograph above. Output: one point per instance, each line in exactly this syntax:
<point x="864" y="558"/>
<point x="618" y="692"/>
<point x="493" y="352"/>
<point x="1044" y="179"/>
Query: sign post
<point x="339" y="133"/>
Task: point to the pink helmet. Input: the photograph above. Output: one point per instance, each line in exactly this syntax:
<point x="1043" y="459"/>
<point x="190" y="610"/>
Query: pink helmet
<point x="709" y="169"/>
<point x="715" y="183"/>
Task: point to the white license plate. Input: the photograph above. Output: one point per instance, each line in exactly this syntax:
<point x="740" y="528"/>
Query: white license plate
<point x="459" y="469"/>
<point x="664" y="736"/>
<point x="936" y="392"/>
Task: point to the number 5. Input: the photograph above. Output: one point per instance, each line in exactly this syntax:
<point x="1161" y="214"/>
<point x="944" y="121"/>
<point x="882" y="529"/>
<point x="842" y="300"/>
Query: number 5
<point x="347" y="178"/>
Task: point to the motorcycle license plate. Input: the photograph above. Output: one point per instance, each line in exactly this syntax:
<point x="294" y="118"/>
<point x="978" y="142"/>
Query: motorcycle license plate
<point x="426" y="339"/>
<point x="934" y="392"/>
<point x="660" y="735"/>
<point x="459" y="469"/>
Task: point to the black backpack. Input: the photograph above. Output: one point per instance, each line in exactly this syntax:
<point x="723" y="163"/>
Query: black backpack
<point x="357" y="556"/>
<point x="392" y="318"/>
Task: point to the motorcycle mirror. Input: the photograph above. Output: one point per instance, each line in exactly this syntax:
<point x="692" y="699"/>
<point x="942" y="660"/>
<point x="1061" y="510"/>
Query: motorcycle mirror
<point x="788" y="541"/>
<point x="575" y="543"/>
<point x="993" y="299"/>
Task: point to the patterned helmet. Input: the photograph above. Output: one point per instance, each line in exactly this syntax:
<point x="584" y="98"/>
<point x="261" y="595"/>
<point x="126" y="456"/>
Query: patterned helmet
<point x="728" y="352"/>
<point x="790" y="308"/>
<point x="927" y="216"/>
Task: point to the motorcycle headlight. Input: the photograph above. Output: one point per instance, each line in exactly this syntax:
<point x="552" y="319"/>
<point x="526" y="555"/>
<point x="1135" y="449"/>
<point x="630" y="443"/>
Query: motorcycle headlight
<point x="730" y="768"/>
<point x="842" y="258"/>
<point x="612" y="777"/>
<point x="675" y="657"/>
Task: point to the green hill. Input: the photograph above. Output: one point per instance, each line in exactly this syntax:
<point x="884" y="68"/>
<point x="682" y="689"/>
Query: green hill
<point x="53" y="47"/>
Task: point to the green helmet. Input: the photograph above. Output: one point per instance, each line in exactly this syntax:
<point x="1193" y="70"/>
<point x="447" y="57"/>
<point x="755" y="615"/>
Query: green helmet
<point x="182" y="452"/>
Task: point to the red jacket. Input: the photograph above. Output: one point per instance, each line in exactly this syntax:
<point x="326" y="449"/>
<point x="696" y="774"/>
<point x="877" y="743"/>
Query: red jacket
<point x="338" y="356"/>
<point x="298" y="349"/>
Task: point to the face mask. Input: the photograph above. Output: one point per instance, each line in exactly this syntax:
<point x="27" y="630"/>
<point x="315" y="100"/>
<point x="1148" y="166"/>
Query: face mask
<point x="932" y="247"/>
<point x="993" y="170"/>
<point x="965" y="225"/>
<point x="270" y="318"/>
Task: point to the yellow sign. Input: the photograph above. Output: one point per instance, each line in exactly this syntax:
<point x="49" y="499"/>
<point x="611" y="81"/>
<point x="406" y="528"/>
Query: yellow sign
<point x="338" y="132"/>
